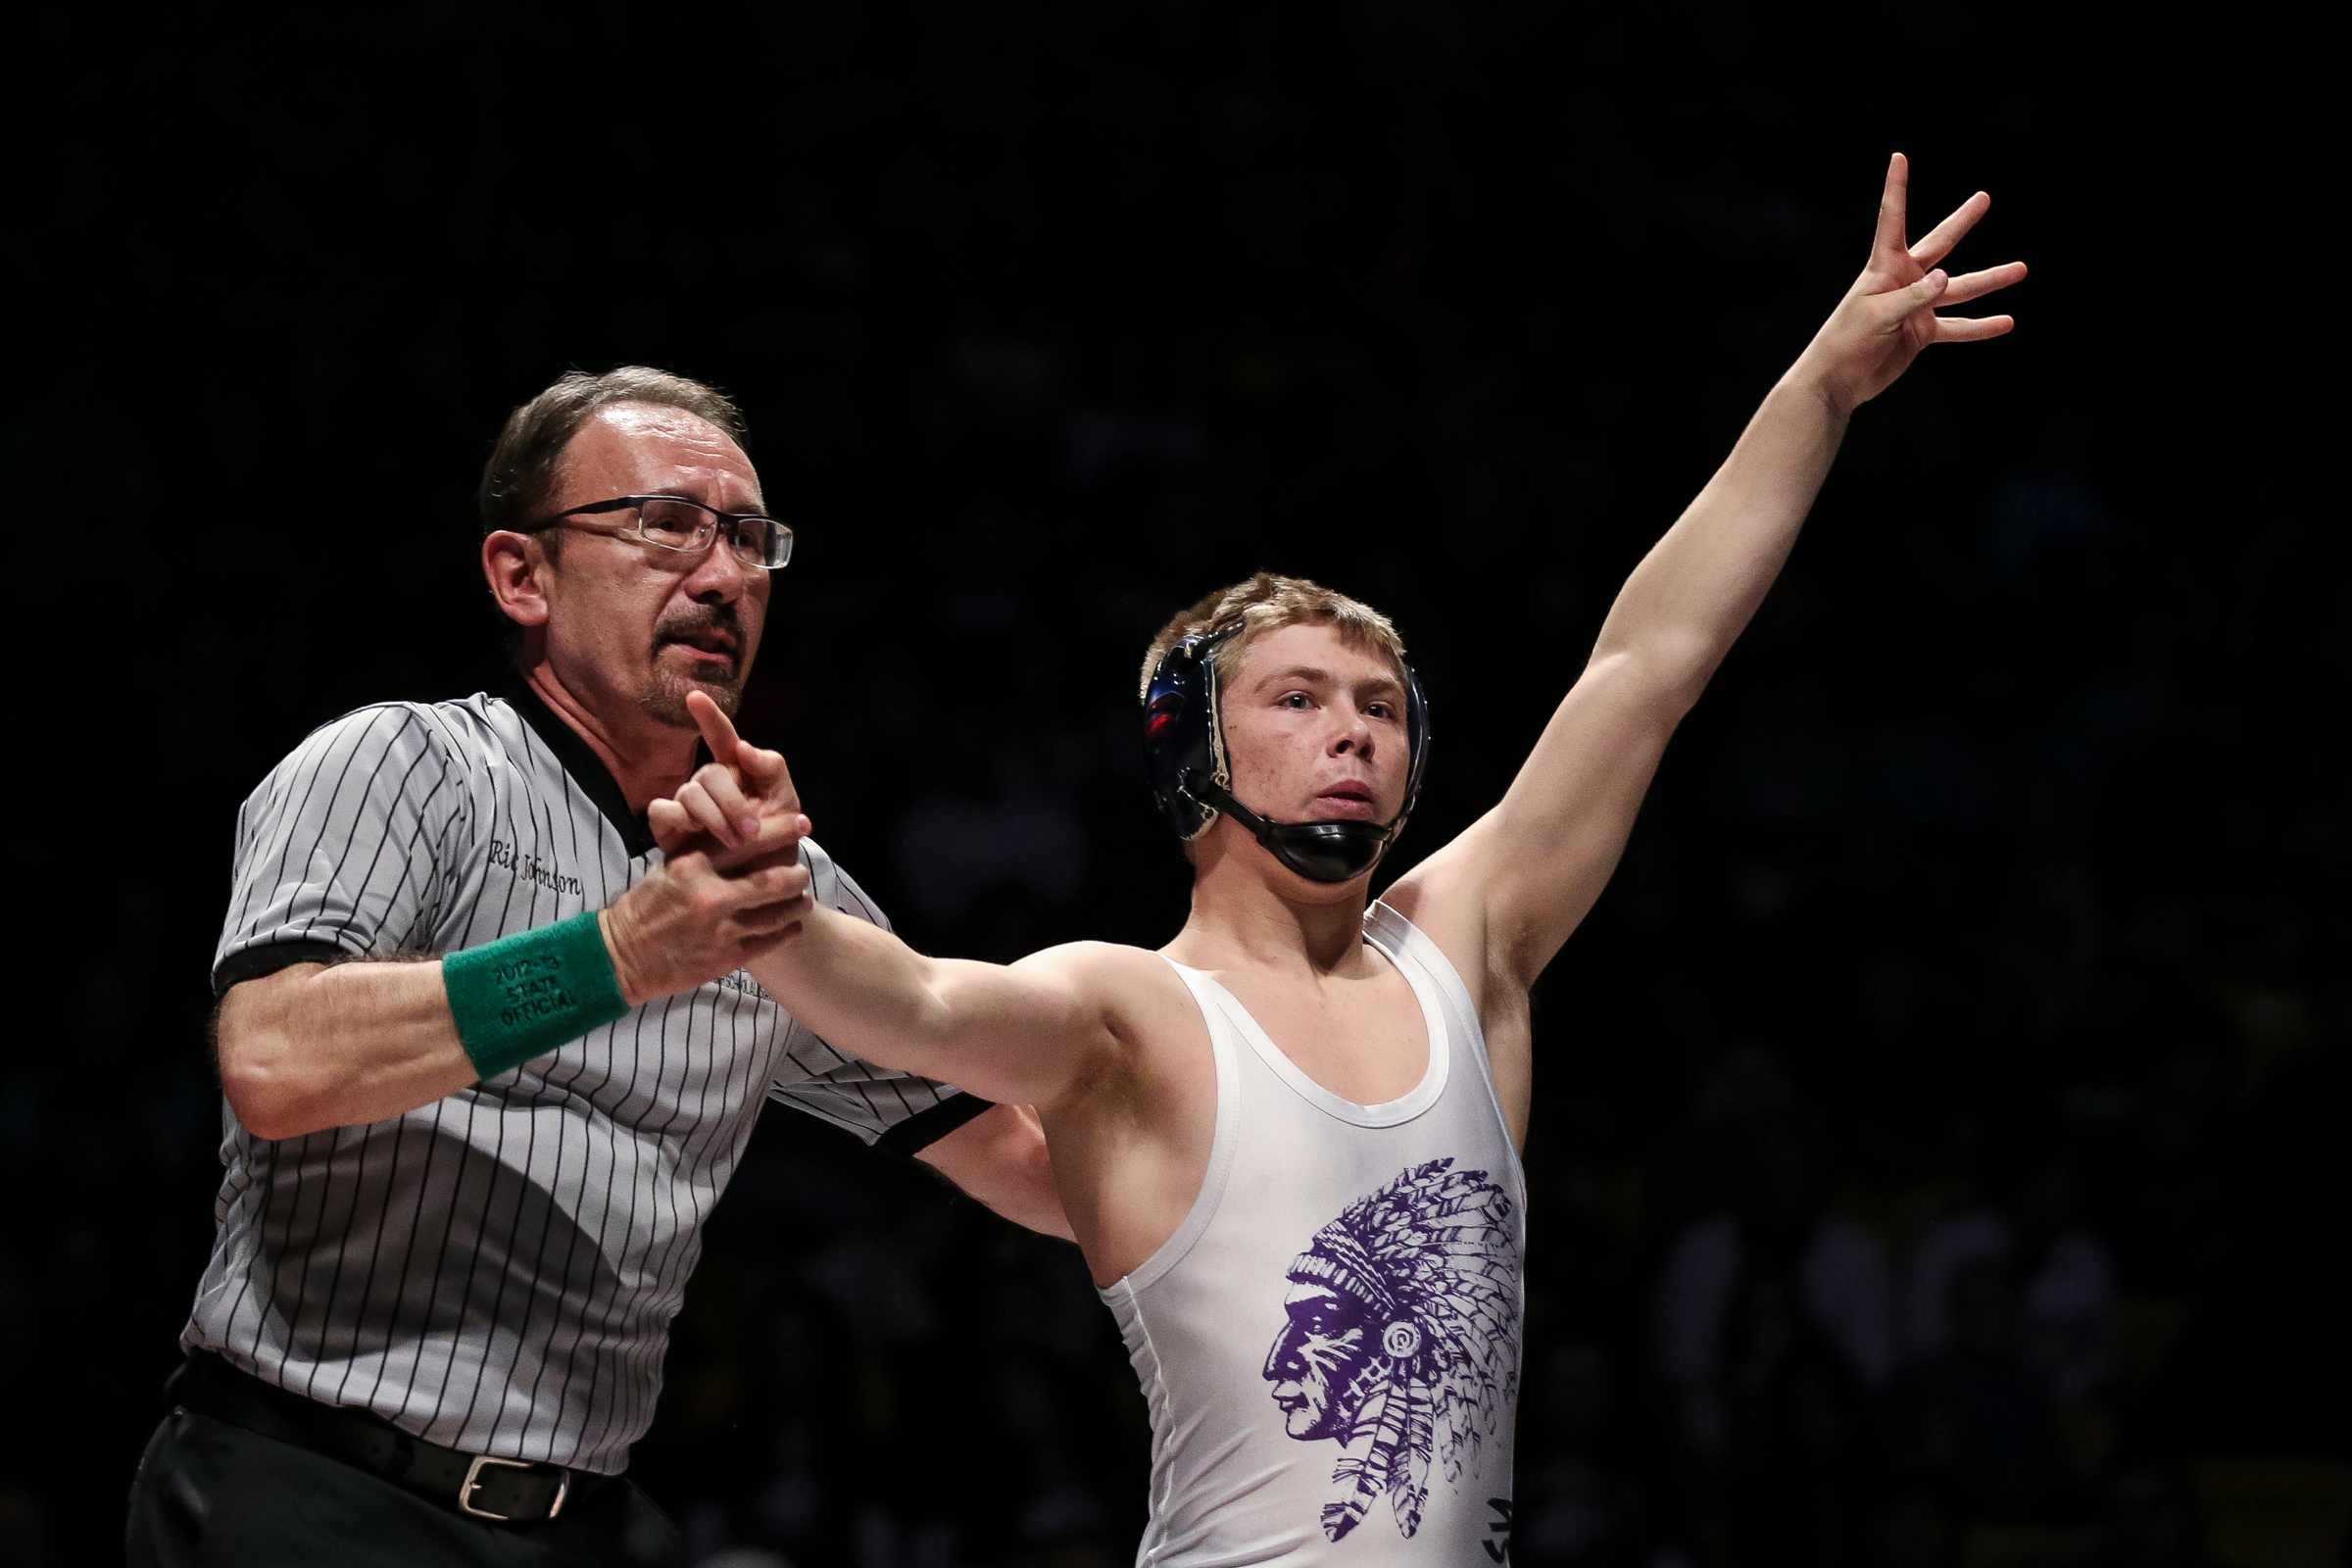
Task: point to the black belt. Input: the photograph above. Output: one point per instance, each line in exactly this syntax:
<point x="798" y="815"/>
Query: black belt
<point x="481" y="1484"/>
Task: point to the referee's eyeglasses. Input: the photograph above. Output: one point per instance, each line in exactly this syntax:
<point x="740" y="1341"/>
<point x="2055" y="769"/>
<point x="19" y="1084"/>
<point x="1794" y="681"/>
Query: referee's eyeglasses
<point x="673" y="523"/>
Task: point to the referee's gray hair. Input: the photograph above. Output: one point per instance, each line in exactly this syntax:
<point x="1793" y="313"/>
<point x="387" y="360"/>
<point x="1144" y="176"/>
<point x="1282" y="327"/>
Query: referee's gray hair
<point x="521" y="473"/>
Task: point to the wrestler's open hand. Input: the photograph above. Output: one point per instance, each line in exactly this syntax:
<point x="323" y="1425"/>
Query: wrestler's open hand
<point x="1889" y="313"/>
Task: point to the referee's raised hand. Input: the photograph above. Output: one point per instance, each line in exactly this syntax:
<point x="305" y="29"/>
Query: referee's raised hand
<point x="732" y="883"/>
<point x="743" y="799"/>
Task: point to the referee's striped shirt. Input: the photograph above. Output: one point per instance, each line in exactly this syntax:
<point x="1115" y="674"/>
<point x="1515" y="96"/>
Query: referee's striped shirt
<point x="496" y="1271"/>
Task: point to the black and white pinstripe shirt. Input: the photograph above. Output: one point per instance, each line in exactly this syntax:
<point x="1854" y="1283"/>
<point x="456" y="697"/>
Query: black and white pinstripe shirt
<point x="496" y="1271"/>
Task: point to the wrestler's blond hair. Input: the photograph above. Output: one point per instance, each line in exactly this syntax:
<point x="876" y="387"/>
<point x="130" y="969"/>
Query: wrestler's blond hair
<point x="1267" y="602"/>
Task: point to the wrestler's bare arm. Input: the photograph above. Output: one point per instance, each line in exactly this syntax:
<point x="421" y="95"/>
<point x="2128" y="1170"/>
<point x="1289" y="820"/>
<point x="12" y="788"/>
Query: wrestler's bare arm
<point x="998" y="1158"/>
<point x="1027" y="1033"/>
<point x="1507" y="893"/>
<point x="1094" y="1035"/>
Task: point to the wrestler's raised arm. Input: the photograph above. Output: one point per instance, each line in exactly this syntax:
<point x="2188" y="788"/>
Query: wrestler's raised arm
<point x="1515" y="885"/>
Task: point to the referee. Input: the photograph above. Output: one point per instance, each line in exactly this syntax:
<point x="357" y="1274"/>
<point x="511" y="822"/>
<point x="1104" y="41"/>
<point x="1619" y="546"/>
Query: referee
<point x="466" y="1173"/>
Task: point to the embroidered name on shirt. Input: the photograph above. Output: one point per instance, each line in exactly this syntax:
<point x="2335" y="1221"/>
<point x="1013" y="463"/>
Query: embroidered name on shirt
<point x="531" y="868"/>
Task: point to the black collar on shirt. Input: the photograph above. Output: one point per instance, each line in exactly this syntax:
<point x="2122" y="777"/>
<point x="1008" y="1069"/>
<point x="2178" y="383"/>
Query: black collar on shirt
<point x="587" y="770"/>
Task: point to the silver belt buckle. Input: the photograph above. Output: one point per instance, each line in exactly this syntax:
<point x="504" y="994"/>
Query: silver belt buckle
<point x="473" y="1483"/>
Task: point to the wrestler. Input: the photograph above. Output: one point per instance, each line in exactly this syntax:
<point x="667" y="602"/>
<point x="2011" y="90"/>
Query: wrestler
<point x="1288" y="1142"/>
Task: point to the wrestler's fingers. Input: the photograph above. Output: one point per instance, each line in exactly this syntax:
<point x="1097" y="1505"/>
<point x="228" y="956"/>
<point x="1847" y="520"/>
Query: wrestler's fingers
<point x="718" y="731"/>
<point x="1896" y="304"/>
<point x="780" y="833"/>
<point x="778" y="839"/>
<point x="672" y="824"/>
<point x="707" y="813"/>
<point x="1893" y="201"/>
<point x="1975" y="285"/>
<point x="719" y="782"/>
<point x="1972" y="329"/>
<point x="1938" y="241"/>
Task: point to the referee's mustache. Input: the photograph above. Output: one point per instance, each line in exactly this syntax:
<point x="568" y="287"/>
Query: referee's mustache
<point x="702" y="621"/>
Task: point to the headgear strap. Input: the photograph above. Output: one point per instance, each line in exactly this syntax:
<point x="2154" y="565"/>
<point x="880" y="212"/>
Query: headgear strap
<point x="1184" y="754"/>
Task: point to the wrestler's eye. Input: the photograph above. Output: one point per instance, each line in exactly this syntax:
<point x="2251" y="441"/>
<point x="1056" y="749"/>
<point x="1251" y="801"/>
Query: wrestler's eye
<point x="1379" y="711"/>
<point x="1295" y="701"/>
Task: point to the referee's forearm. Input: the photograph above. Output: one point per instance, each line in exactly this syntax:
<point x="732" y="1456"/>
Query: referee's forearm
<point x="314" y="1045"/>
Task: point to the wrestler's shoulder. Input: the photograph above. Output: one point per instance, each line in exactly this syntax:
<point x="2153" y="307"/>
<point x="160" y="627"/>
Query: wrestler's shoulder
<point x="1101" y="959"/>
<point x="1121" y="977"/>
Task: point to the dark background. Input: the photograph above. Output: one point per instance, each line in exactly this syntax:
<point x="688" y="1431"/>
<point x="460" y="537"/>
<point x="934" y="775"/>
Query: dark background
<point x="1979" y="958"/>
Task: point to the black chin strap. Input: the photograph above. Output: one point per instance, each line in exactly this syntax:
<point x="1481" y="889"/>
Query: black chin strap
<point x="1320" y="851"/>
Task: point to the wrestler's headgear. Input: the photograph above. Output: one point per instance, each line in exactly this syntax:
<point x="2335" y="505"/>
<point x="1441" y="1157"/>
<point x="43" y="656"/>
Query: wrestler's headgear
<point x="1184" y="756"/>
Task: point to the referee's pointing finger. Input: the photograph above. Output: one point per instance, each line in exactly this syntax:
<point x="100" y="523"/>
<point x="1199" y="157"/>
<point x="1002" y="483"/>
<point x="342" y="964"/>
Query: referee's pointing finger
<point x="718" y="731"/>
<point x="759" y="768"/>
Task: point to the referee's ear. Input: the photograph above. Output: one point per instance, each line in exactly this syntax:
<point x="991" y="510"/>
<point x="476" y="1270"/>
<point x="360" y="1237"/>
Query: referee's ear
<point x="513" y="563"/>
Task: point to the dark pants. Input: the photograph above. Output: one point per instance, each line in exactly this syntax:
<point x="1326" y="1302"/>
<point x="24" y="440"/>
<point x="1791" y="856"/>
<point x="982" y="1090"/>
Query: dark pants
<point x="208" y="1493"/>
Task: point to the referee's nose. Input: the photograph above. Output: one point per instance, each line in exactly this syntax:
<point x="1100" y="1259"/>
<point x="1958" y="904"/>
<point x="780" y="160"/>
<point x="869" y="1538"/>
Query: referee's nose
<point x="718" y="578"/>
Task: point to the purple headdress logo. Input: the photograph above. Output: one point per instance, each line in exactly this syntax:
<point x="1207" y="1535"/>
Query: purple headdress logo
<point x="1402" y="1344"/>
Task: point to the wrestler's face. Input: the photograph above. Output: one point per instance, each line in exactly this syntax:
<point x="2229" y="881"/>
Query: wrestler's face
<point x="1315" y="729"/>
<point x="632" y="626"/>
<point x="1315" y="1361"/>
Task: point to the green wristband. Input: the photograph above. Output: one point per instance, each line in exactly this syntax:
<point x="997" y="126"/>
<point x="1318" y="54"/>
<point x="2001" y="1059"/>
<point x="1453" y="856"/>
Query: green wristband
<point x="523" y="996"/>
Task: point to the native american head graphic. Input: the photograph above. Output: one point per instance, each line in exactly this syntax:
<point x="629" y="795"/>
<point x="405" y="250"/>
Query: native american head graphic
<point x="1402" y="1339"/>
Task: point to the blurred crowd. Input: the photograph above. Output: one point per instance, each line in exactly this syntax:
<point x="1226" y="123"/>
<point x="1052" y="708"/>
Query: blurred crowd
<point x="1938" y="1153"/>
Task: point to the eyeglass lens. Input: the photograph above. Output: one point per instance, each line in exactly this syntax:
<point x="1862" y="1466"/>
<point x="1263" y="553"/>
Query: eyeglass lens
<point x="683" y="525"/>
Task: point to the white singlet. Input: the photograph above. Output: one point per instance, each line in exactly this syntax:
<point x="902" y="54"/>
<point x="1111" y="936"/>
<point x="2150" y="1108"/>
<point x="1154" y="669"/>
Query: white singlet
<point x="1330" y="1342"/>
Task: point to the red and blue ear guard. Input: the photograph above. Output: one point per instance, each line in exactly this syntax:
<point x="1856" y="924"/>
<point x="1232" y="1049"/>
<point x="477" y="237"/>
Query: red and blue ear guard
<point x="1183" y="757"/>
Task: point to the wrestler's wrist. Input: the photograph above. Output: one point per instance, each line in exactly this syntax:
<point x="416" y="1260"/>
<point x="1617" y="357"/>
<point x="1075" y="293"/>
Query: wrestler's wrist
<point x="1812" y="379"/>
